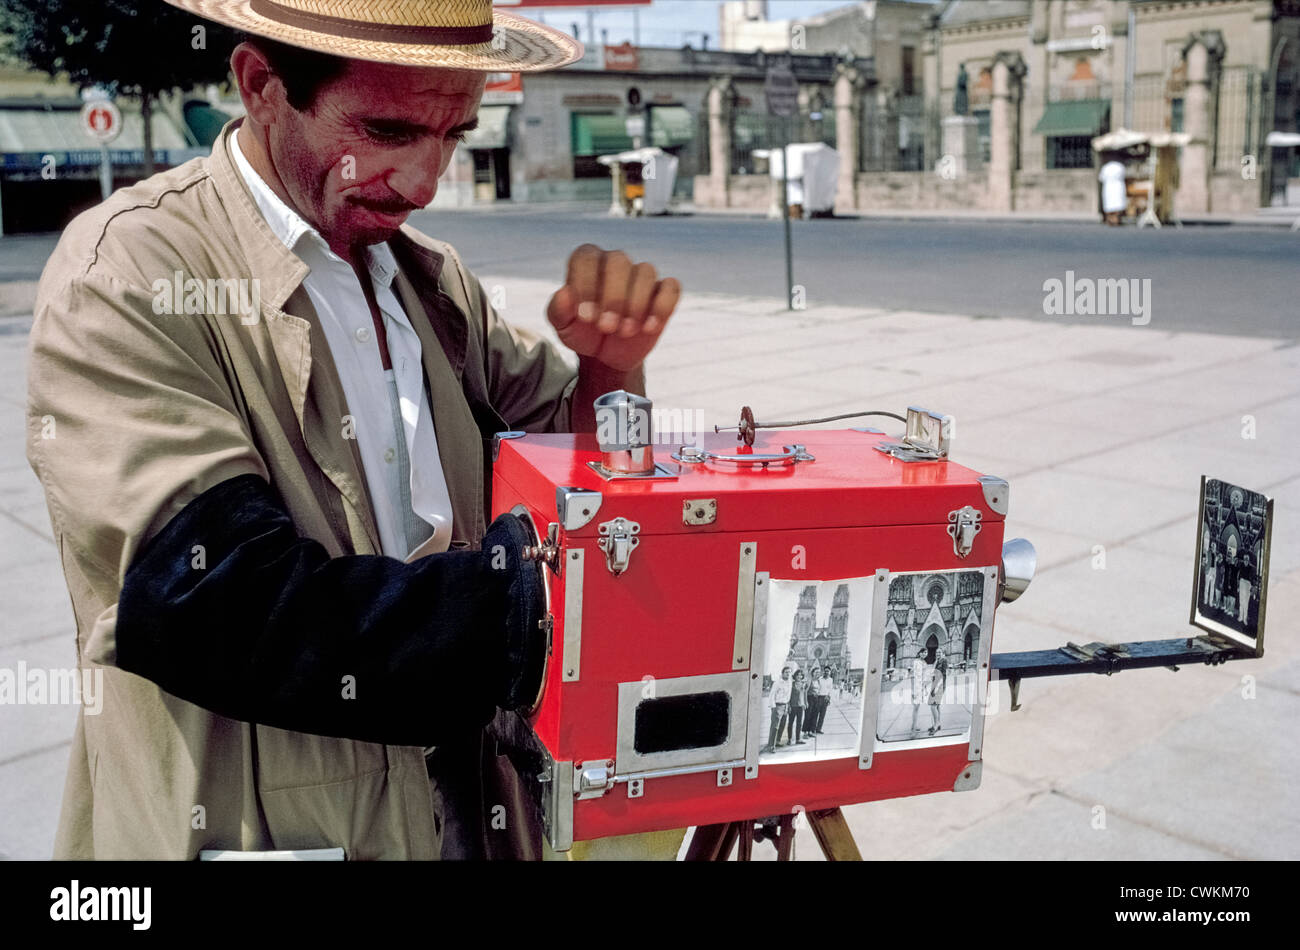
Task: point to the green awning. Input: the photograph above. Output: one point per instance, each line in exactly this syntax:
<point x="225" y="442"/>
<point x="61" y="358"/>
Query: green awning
<point x="493" y="126"/>
<point x="671" y="125"/>
<point x="599" y="134"/>
<point x="205" y="122"/>
<point x="1080" y="117"/>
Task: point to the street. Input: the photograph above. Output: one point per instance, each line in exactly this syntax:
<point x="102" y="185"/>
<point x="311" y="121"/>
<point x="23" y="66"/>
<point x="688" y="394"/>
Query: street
<point x="1214" y="280"/>
<point x="1233" y="280"/>
<point x="1102" y="427"/>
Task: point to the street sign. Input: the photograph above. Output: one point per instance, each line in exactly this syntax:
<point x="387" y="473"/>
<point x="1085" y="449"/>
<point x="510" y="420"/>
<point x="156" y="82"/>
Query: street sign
<point x="101" y="120"/>
<point x="635" y="126"/>
<point x="782" y="90"/>
<point x="634" y="97"/>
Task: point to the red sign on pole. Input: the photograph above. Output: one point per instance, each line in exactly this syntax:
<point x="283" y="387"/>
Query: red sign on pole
<point x="101" y="120"/>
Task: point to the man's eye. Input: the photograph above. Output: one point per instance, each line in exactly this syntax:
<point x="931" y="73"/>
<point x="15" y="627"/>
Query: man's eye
<point x="388" y="136"/>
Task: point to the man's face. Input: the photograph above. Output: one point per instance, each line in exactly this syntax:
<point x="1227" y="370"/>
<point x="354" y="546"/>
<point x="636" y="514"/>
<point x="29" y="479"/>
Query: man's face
<point x="785" y="673"/>
<point x="372" y="146"/>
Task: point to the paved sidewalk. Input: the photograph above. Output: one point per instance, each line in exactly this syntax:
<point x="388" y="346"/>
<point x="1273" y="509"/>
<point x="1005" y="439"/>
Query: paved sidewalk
<point x="1102" y="430"/>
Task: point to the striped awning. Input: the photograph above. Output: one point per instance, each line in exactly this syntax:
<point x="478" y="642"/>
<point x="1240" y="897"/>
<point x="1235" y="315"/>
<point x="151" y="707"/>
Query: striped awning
<point x="1079" y="117"/>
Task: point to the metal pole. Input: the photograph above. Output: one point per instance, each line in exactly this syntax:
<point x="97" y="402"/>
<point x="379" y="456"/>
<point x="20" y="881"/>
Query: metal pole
<point x="1130" y="65"/>
<point x="105" y="173"/>
<point x="785" y="215"/>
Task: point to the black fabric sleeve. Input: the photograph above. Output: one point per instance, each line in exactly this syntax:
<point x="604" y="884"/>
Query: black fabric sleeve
<point x="228" y="608"/>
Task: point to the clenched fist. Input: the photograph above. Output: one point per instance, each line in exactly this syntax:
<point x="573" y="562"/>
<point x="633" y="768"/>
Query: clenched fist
<point x="610" y="309"/>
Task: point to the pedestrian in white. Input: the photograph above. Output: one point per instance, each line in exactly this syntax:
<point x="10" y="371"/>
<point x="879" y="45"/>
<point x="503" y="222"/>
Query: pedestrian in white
<point x="1113" y="194"/>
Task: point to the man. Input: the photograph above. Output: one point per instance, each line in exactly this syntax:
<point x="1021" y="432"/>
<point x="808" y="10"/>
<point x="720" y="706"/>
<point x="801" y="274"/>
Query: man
<point x="272" y="519"/>
<point x="938" y="683"/>
<point x="780" y="709"/>
<point x="1231" y="586"/>
<point x="798" y="701"/>
<point x="827" y="686"/>
<point x="814" y="701"/>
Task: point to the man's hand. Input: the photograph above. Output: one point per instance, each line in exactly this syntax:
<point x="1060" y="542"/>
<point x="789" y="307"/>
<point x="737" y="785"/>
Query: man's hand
<point x="610" y="309"/>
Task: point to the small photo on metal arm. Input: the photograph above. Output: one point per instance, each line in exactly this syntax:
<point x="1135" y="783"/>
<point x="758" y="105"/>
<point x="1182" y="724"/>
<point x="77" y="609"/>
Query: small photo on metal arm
<point x="1230" y="587"/>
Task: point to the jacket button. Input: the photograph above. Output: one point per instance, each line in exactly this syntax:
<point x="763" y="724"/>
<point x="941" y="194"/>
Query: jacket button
<point x="389" y="455"/>
<point x="363" y="334"/>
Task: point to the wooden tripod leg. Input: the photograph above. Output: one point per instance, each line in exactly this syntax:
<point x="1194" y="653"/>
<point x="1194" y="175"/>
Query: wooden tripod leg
<point x="706" y="842"/>
<point x="746" y="850"/>
<point x="785" y="839"/>
<point x="833" y="835"/>
<point x="713" y="842"/>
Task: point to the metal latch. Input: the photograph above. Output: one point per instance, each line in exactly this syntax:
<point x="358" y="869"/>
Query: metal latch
<point x="618" y="539"/>
<point x="963" y="525"/>
<point x="592" y="779"/>
<point x="698" y="511"/>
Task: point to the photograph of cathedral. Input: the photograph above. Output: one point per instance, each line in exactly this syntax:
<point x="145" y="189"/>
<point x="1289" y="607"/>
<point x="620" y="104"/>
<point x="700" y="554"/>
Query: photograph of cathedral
<point x="817" y="634"/>
<point x="933" y="629"/>
<point x="1232" y="562"/>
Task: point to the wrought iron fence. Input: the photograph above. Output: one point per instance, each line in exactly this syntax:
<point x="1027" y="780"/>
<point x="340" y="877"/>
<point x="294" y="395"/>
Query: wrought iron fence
<point x="897" y="135"/>
<point x="754" y="131"/>
<point x="1239" y="115"/>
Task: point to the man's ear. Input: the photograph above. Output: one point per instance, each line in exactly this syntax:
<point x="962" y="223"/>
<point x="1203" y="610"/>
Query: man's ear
<point x="260" y="89"/>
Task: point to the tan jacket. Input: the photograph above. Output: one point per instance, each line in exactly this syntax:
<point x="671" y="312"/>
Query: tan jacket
<point x="132" y="414"/>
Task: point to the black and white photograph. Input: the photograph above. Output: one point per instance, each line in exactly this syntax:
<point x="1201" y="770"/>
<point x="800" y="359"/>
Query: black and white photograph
<point x="934" y="625"/>
<point x="1232" y="561"/>
<point x="817" y="637"/>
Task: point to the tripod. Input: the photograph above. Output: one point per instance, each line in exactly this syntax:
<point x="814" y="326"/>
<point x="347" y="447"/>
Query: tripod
<point x="714" y="842"/>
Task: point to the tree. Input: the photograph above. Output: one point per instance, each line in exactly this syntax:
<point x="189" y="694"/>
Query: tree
<point x="137" y="48"/>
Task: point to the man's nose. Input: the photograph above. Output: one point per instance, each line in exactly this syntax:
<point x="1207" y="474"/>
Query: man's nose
<point x="415" y="177"/>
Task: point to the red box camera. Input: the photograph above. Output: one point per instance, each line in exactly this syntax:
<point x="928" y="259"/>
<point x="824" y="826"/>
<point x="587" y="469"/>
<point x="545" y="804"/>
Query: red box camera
<point x="738" y="633"/>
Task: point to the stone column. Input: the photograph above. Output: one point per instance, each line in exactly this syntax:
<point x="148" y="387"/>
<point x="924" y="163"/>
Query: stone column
<point x="1008" y="68"/>
<point x="1117" y="27"/>
<point x="849" y="83"/>
<point x="932" y="85"/>
<point x="1202" y="53"/>
<point x="721" y="97"/>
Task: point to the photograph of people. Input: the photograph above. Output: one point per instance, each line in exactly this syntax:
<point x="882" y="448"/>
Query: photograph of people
<point x="933" y="628"/>
<point x="817" y="635"/>
<point x="1231" y="568"/>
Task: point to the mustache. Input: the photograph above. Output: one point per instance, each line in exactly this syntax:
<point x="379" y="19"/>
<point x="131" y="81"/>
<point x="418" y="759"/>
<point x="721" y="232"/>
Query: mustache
<point x="392" y="206"/>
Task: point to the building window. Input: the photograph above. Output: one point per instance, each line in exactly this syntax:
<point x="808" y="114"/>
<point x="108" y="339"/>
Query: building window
<point x="985" y="133"/>
<point x="1069" y="151"/>
<point x="909" y="71"/>
<point x="1176" y="115"/>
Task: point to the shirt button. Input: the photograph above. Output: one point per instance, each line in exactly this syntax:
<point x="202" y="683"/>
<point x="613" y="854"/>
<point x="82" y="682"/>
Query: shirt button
<point x="363" y="334"/>
<point x="389" y="455"/>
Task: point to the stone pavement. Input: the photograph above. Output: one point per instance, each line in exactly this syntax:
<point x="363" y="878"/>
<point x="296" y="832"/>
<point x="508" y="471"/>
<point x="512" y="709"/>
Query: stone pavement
<point x="1103" y="431"/>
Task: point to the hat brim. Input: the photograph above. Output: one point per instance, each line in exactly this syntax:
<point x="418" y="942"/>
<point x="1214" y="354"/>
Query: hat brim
<point x="518" y="44"/>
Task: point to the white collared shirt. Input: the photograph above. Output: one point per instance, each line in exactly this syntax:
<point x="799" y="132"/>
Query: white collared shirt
<point x="349" y="331"/>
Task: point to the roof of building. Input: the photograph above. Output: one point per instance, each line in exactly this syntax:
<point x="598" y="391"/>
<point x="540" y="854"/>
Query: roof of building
<point x="960" y="12"/>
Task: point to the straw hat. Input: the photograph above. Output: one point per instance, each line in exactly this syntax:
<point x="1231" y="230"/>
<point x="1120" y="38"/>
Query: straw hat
<point x="454" y="34"/>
